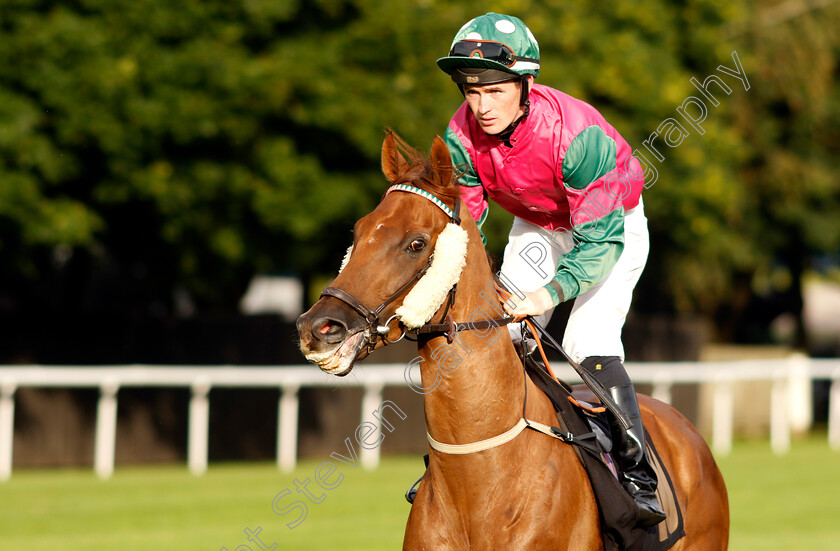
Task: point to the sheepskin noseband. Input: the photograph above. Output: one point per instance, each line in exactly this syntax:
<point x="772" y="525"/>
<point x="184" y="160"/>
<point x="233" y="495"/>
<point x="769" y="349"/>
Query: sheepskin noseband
<point x="427" y="296"/>
<point x="346" y="258"/>
<point x="448" y="260"/>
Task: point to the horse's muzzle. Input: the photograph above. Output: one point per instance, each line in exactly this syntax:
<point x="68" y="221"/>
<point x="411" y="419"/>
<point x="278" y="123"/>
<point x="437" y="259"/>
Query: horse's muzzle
<point x="331" y="336"/>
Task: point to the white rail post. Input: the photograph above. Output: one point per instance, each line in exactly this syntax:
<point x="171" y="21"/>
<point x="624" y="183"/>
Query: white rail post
<point x="287" y="424"/>
<point x="722" y="414"/>
<point x="371" y="400"/>
<point x="106" y="429"/>
<point x="7" y="427"/>
<point x="780" y="414"/>
<point x="662" y="383"/>
<point x="834" y="412"/>
<point x="199" y="428"/>
<point x="800" y="393"/>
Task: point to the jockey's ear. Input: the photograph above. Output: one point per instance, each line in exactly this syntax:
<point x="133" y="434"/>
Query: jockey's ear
<point x="393" y="163"/>
<point x="442" y="161"/>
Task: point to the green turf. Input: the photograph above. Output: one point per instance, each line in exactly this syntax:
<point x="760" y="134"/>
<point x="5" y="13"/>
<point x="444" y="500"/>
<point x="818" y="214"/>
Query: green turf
<point x="787" y="502"/>
<point x="790" y="502"/>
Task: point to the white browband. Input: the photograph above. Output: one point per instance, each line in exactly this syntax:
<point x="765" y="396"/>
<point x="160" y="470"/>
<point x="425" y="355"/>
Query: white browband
<point x="423" y="193"/>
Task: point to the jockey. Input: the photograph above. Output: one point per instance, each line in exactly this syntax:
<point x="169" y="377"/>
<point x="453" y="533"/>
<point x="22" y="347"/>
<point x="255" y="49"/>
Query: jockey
<point x="579" y="231"/>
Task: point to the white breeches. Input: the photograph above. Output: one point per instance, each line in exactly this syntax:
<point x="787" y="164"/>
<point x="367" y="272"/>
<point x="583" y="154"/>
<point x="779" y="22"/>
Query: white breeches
<point x="597" y="318"/>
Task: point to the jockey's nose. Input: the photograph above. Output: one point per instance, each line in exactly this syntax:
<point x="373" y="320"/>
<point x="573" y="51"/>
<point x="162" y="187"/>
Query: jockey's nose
<point x="328" y="330"/>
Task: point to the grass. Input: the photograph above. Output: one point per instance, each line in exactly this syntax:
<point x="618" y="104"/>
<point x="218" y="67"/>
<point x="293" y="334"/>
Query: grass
<point x="165" y="508"/>
<point x="786" y="502"/>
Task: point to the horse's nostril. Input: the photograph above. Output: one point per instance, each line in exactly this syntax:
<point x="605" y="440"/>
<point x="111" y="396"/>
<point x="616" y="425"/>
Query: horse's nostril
<point x="331" y="327"/>
<point x="329" y="330"/>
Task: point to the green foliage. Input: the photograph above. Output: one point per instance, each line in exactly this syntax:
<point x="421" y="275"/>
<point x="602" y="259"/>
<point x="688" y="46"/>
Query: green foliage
<point x="199" y="142"/>
<point x="792" y="126"/>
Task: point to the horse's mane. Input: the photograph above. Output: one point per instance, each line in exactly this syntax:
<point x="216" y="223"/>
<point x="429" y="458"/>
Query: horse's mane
<point x="420" y="173"/>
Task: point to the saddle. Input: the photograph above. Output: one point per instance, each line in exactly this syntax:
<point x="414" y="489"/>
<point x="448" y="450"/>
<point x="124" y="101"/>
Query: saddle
<point x="584" y="425"/>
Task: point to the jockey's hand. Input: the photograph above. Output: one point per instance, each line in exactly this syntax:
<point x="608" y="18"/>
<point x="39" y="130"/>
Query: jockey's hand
<point x="535" y="303"/>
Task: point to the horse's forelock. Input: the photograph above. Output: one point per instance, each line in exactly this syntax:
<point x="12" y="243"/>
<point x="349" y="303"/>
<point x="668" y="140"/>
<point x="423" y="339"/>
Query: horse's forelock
<point x="420" y="173"/>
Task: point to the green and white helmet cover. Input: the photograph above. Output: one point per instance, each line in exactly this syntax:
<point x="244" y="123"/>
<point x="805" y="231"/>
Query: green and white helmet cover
<point x="494" y="27"/>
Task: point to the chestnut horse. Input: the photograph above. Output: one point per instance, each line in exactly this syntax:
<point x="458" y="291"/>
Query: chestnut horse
<point x="530" y="493"/>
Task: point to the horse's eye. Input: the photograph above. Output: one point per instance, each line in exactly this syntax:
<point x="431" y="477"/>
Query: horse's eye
<point x="417" y="245"/>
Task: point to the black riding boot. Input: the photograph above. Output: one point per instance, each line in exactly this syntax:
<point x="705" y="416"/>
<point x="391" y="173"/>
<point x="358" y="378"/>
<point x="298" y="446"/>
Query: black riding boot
<point x="638" y="477"/>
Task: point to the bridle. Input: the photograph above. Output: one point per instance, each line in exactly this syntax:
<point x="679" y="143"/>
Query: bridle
<point x="375" y="328"/>
<point x="378" y="330"/>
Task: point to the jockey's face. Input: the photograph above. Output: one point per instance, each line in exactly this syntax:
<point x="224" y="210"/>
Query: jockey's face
<point x="495" y="106"/>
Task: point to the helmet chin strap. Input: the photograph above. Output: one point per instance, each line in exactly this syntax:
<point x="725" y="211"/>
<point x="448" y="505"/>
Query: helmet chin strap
<point x="524" y="90"/>
<point x="505" y="134"/>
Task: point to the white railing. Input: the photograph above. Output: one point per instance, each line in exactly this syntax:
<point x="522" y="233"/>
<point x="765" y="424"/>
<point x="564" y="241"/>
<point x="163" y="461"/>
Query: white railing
<point x="785" y="374"/>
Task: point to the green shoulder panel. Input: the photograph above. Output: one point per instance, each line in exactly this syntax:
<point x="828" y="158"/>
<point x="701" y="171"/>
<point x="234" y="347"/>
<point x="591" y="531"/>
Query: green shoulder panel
<point x="594" y="256"/>
<point x="461" y="160"/>
<point x="468" y="176"/>
<point x="591" y="155"/>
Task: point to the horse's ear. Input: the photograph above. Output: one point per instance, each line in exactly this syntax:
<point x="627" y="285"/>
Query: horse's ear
<point x="442" y="161"/>
<point x="393" y="163"/>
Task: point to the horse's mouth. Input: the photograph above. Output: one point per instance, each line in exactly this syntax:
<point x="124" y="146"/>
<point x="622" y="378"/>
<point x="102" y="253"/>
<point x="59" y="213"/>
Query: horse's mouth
<point x="340" y="361"/>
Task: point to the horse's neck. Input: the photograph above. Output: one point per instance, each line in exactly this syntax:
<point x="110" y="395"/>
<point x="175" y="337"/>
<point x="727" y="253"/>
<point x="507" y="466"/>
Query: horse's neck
<point x="477" y="378"/>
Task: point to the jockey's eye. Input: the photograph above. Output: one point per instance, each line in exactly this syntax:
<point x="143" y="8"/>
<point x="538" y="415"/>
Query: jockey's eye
<point x="417" y="245"/>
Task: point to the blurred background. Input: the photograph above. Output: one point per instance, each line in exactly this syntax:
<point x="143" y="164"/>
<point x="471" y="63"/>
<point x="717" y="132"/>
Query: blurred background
<point x="178" y="181"/>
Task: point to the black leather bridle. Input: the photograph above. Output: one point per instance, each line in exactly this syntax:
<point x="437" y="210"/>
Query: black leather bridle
<point x="376" y="329"/>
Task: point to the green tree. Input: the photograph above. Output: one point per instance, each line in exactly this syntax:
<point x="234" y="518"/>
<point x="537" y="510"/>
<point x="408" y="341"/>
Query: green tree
<point x="166" y="145"/>
<point x="790" y="122"/>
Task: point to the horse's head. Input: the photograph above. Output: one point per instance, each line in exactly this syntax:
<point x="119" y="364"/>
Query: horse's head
<point x="390" y="280"/>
